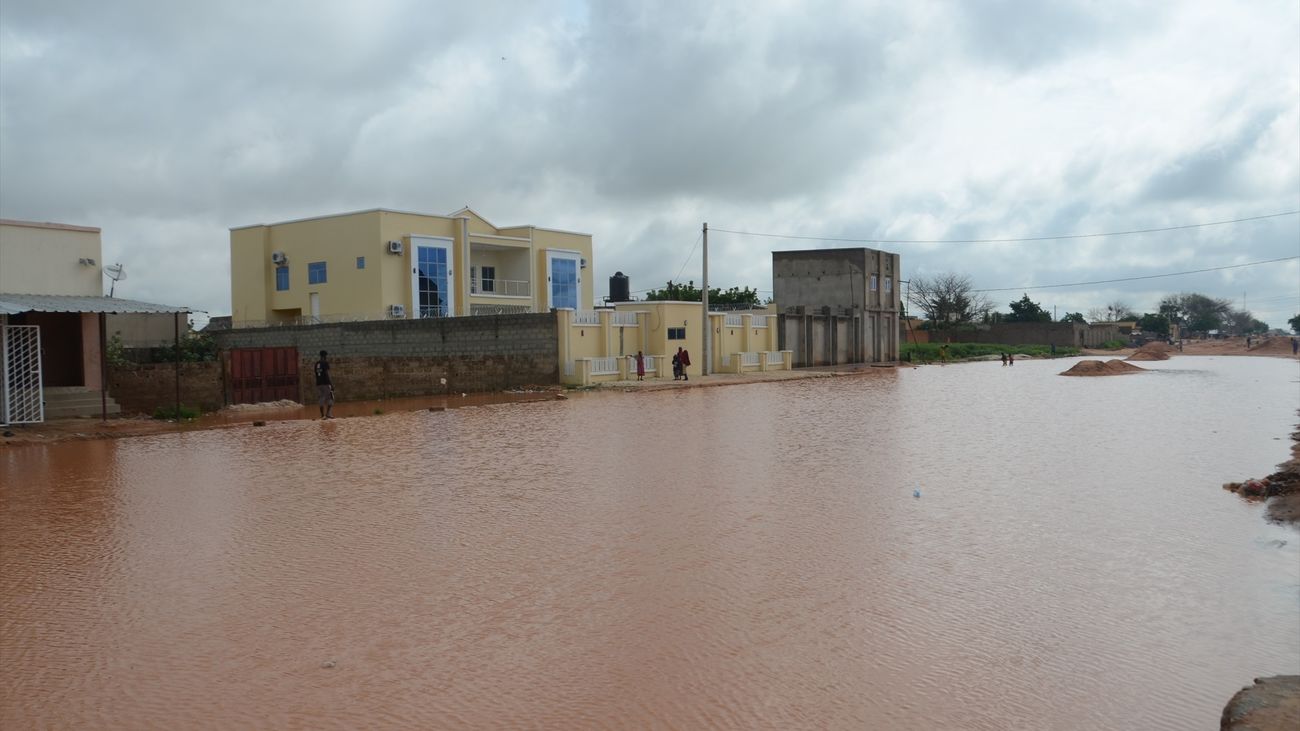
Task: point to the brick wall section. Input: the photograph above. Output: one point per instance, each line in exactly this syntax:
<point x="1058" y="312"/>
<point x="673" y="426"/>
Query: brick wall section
<point x="391" y="358"/>
<point x="143" y="388"/>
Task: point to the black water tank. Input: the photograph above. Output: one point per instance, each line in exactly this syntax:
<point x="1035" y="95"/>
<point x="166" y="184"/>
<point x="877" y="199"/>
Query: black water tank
<point x="619" y="288"/>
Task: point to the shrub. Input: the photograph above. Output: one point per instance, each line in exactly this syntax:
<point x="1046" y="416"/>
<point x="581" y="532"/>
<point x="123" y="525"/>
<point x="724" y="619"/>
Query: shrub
<point x="169" y="412"/>
<point x="929" y="352"/>
<point x="1113" y="345"/>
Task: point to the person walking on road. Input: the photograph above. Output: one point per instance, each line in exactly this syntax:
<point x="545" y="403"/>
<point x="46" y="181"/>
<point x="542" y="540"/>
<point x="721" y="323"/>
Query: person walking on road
<point x="324" y="387"/>
<point x="640" y="366"/>
<point x="685" y="358"/>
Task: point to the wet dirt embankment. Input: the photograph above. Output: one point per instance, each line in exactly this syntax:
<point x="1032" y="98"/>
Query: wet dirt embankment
<point x="1271" y="704"/>
<point x="1281" y="489"/>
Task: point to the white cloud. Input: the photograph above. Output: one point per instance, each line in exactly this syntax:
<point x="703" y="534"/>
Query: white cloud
<point x="167" y="124"/>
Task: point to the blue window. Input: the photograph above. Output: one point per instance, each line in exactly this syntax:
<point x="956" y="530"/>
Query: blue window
<point x="432" y="281"/>
<point x="281" y="279"/>
<point x="361" y="262"/>
<point x="564" y="282"/>
<point x="316" y="272"/>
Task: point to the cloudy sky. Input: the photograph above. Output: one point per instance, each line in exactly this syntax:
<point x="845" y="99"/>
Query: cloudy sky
<point x="167" y="123"/>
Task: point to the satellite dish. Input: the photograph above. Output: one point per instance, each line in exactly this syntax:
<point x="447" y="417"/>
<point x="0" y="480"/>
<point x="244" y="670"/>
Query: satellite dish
<point x="116" y="273"/>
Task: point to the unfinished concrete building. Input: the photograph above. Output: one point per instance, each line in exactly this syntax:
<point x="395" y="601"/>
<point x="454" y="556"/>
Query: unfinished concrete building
<point x="837" y="305"/>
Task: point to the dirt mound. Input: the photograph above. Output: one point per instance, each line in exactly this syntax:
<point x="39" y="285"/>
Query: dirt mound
<point x="1272" y="346"/>
<point x="281" y="404"/>
<point x="1144" y="354"/>
<point x="1157" y="346"/>
<point x="1113" y="367"/>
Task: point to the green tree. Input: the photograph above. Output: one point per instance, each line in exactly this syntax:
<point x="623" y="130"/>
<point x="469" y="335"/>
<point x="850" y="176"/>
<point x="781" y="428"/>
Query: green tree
<point x="1153" y="323"/>
<point x="690" y="293"/>
<point x="1074" y="317"/>
<point x="1195" y="311"/>
<point x="1295" y="324"/>
<point x="1025" y="310"/>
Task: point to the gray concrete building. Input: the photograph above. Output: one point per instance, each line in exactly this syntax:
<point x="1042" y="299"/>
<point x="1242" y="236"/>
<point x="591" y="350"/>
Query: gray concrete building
<point x="837" y="305"/>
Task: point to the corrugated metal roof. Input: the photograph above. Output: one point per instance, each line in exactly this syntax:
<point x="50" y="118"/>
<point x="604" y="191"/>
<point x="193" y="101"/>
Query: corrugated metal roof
<point x="12" y="304"/>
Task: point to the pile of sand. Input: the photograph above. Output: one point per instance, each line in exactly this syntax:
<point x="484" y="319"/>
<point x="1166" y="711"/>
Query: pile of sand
<point x="1144" y="354"/>
<point x="1154" y="350"/>
<point x="1113" y="367"/>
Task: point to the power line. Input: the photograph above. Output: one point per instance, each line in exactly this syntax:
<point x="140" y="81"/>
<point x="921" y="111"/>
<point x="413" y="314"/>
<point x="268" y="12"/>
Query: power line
<point x="1134" y="279"/>
<point x="677" y="278"/>
<point x="688" y="256"/>
<point x="1011" y="240"/>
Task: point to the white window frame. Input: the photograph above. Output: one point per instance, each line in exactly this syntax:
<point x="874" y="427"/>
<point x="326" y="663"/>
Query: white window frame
<point x="436" y="242"/>
<point x="576" y="256"/>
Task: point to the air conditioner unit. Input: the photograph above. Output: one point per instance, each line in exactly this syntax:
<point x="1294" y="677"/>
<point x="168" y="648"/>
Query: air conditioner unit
<point x="397" y="310"/>
<point x="277" y="257"/>
<point x="394" y="247"/>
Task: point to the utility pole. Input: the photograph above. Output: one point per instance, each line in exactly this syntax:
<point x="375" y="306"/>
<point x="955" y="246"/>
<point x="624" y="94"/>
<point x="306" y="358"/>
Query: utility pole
<point x="704" y="299"/>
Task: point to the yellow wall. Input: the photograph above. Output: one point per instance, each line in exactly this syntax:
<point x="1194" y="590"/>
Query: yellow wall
<point x="45" y="259"/>
<point x="250" y="274"/>
<point x="662" y="315"/>
<point x="347" y="291"/>
<point x="396" y="277"/>
<point x="545" y="240"/>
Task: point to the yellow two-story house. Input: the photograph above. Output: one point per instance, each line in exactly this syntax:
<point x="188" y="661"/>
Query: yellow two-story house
<point x="384" y="264"/>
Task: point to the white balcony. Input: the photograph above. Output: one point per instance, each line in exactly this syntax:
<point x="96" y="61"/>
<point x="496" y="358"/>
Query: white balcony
<point x="501" y="287"/>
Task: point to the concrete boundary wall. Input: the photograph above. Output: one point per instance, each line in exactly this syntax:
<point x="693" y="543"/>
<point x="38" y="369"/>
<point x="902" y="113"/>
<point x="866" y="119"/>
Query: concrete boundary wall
<point x="388" y="358"/>
<point x="142" y="388"/>
<point x="1033" y="333"/>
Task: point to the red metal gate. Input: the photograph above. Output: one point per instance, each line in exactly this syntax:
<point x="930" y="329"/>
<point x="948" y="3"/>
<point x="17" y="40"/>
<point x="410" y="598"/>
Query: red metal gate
<point x="263" y="374"/>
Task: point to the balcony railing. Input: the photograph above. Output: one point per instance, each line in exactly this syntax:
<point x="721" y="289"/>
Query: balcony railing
<point x="749" y="359"/>
<point x="586" y="317"/>
<point x="774" y="357"/>
<point x="490" y="309"/>
<point x="501" y="287"/>
<point x="733" y="321"/>
<point x="604" y="366"/>
<point x="626" y="319"/>
<point x="759" y="320"/>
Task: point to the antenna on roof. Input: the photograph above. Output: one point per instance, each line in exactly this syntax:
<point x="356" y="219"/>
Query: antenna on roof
<point x="116" y="273"/>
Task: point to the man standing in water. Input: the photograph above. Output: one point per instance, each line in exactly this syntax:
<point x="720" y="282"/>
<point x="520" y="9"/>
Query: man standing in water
<point x="324" y="388"/>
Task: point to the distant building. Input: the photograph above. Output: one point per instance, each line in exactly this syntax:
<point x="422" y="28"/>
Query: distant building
<point x="383" y="264"/>
<point x="837" y="305"/>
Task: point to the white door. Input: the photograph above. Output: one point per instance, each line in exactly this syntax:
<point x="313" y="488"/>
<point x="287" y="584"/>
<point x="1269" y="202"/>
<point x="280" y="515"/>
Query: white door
<point x="315" y="306"/>
<point x="432" y="278"/>
<point x="563" y="279"/>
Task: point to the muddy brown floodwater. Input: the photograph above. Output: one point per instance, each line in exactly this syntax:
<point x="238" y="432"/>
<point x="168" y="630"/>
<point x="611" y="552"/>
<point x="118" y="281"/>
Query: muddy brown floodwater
<point x="747" y="557"/>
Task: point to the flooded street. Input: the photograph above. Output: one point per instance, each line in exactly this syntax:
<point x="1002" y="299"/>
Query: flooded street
<point x="737" y="558"/>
